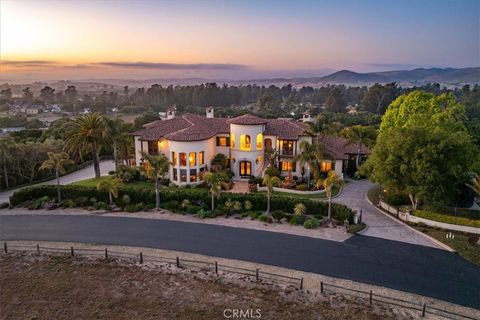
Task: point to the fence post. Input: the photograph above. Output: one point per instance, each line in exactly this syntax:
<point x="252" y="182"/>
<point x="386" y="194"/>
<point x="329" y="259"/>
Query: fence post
<point x="301" y="284"/>
<point x="71" y="251"/>
<point x="141" y="257"/>
<point x="371" y="298"/>
<point x="216" y="267"/>
<point x="424" y="309"/>
<point x="106" y="254"/>
<point x="38" y="249"/>
<point x="321" y="286"/>
<point x="256" y="274"/>
<point x="178" y="262"/>
<point x="5" y="247"/>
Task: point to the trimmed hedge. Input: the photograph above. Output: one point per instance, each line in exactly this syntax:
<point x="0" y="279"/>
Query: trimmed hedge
<point x="446" y="219"/>
<point x="197" y="196"/>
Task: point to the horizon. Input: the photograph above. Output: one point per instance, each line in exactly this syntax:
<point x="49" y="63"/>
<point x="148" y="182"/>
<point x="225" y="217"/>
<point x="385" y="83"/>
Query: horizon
<point x="232" y="41"/>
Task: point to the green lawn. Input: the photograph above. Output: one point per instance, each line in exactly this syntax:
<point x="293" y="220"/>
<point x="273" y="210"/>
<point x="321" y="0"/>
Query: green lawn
<point x="134" y="184"/>
<point x="463" y="243"/>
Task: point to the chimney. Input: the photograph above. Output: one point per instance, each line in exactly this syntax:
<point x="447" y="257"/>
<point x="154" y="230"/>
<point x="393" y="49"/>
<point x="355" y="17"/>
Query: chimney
<point x="306" y="117"/>
<point x="170" y="113"/>
<point x="210" y="113"/>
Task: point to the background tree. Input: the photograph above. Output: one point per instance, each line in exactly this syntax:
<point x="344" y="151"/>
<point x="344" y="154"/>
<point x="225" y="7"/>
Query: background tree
<point x="111" y="186"/>
<point x="114" y="134"/>
<point x="378" y="97"/>
<point x="47" y="94"/>
<point x="332" y="180"/>
<point x="56" y="162"/>
<point x="157" y="168"/>
<point x="475" y="184"/>
<point x="335" y="101"/>
<point x="6" y="94"/>
<point x="214" y="180"/>
<point x="360" y="135"/>
<point x="7" y="146"/>
<point x="270" y="182"/>
<point x="87" y="132"/>
<point x="27" y="94"/>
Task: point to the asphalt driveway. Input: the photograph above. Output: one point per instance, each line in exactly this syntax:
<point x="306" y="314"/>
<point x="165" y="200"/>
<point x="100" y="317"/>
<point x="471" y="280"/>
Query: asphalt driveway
<point x="418" y="269"/>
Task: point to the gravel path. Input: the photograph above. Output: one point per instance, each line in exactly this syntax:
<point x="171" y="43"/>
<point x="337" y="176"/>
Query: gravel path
<point x="379" y="225"/>
<point x="82" y="174"/>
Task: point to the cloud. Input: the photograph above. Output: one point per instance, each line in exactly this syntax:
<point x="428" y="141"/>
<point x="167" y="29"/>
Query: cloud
<point x="27" y="63"/>
<point x="175" y="66"/>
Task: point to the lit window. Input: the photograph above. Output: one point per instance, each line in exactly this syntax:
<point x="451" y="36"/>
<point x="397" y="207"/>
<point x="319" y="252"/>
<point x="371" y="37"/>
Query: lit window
<point x="174" y="158"/>
<point x="245" y="143"/>
<point x="201" y="157"/>
<point x="232" y="140"/>
<point x="222" y="141"/>
<point x="259" y="141"/>
<point x="192" y="159"/>
<point x="175" y="176"/>
<point x="287" y="166"/>
<point x="326" y="166"/>
<point x="183" y="159"/>
<point x="183" y="175"/>
<point x="193" y="175"/>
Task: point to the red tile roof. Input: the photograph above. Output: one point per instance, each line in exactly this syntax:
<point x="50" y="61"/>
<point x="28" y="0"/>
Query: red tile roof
<point x="247" y="119"/>
<point x="339" y="148"/>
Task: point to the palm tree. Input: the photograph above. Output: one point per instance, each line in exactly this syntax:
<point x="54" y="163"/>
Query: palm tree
<point x="332" y="180"/>
<point x="111" y="186"/>
<point x="157" y="168"/>
<point x="270" y="182"/>
<point x="114" y="133"/>
<point x="85" y="132"/>
<point x="7" y="146"/>
<point x="475" y="186"/>
<point x="214" y="180"/>
<point x="360" y="135"/>
<point x="57" y="163"/>
<point x="311" y="154"/>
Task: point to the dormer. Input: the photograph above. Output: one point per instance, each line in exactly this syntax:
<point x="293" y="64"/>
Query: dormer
<point x="170" y="113"/>
<point x="307" y="117"/>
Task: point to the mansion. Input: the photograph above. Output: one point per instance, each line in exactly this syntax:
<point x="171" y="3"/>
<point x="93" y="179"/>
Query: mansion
<point x="192" y="141"/>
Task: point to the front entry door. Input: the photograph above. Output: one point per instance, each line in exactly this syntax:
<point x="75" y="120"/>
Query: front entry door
<point x="245" y="168"/>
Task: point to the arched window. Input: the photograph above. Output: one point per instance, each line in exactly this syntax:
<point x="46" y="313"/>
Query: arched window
<point x="232" y="140"/>
<point x="268" y="144"/>
<point x="259" y="141"/>
<point x="245" y="142"/>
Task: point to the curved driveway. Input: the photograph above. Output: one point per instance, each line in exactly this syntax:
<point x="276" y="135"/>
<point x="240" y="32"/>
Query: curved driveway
<point x="82" y="174"/>
<point x="379" y="225"/>
<point x="402" y="266"/>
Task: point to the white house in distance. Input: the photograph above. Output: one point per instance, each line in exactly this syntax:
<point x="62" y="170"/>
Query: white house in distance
<point x="191" y="142"/>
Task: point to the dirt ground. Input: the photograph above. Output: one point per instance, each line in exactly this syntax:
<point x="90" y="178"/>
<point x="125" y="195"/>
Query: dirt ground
<point x="42" y="287"/>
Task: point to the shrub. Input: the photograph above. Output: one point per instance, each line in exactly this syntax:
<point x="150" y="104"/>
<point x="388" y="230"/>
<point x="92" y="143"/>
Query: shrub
<point x="254" y="215"/>
<point x="139" y="206"/>
<point x="92" y="201"/>
<point x="172" y="205"/>
<point x="297" y="220"/>
<point x="272" y="172"/>
<point x="247" y="205"/>
<point x="218" y="212"/>
<point x="265" y="218"/>
<point x="127" y="174"/>
<point x="278" y="215"/>
<point x="396" y="199"/>
<point x="4" y="205"/>
<point x="185" y="203"/>
<point x="193" y="209"/>
<point x="130" y="208"/>
<point x="202" y="214"/>
<point x="111" y="172"/>
<point x="354" y="228"/>
<point x="82" y="201"/>
<point x="301" y="187"/>
<point x="299" y="209"/>
<point x="101" y="205"/>
<point x="126" y="199"/>
<point x="67" y="203"/>
<point x="312" y="223"/>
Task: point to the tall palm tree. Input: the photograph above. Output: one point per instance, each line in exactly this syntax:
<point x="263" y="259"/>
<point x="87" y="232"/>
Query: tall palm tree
<point x="475" y="186"/>
<point x="270" y="182"/>
<point x="360" y="135"/>
<point x="214" y="180"/>
<point x="157" y="168"/>
<point x="332" y="180"/>
<point x="115" y="131"/>
<point x="87" y="132"/>
<point x="7" y="147"/>
<point x="57" y="163"/>
<point x="311" y="154"/>
<point x="111" y="186"/>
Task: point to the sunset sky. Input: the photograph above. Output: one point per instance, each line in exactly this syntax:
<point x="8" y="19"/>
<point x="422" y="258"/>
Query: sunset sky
<point x="46" y="40"/>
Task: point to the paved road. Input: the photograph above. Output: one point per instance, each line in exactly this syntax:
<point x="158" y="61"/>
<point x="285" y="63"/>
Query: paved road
<point x="398" y="265"/>
<point x="82" y="174"/>
<point x="378" y="224"/>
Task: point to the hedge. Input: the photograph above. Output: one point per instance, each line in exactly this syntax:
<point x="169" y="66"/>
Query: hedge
<point x="446" y="219"/>
<point x="197" y="196"/>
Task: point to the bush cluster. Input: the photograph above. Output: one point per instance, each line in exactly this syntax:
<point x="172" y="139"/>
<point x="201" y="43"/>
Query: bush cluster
<point x="198" y="198"/>
<point x="447" y="219"/>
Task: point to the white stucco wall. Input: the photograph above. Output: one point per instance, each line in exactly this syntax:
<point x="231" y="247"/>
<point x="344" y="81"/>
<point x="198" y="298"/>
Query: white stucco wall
<point x="244" y="155"/>
<point x="208" y="146"/>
